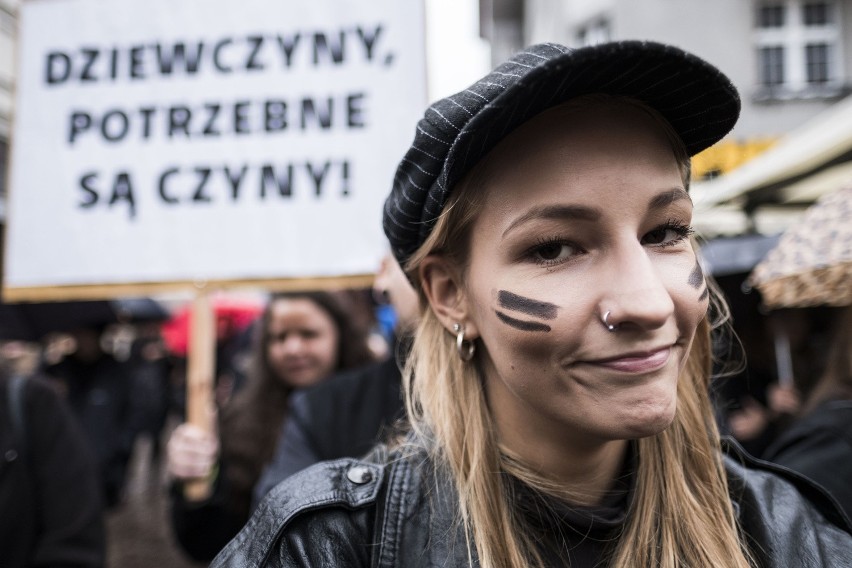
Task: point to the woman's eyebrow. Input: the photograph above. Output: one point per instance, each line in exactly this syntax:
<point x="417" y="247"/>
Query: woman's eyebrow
<point x="558" y="212"/>
<point x="666" y="198"/>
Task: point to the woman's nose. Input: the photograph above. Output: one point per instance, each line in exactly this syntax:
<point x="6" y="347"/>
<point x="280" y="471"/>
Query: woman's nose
<point x="294" y="345"/>
<point x="635" y="294"/>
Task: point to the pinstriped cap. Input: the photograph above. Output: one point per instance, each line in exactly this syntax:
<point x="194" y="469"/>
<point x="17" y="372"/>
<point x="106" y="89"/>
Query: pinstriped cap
<point x="700" y="103"/>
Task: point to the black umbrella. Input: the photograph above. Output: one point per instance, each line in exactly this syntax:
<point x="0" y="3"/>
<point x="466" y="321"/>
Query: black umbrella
<point x="32" y="321"/>
<point x="139" y="310"/>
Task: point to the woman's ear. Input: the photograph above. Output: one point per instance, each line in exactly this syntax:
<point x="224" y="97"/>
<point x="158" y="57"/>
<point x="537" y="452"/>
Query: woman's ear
<point x="441" y="284"/>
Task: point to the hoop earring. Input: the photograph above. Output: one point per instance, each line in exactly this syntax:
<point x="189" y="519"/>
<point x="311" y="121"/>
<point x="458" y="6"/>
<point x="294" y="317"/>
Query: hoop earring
<point x="609" y="326"/>
<point x="465" y="348"/>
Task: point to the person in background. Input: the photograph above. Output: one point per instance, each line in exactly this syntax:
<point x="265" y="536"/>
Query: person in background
<point x="760" y="403"/>
<point x="51" y="505"/>
<point x="352" y="411"/>
<point x="303" y="338"/>
<point x="557" y="387"/>
<point x="99" y="389"/>
<point x="819" y="443"/>
<point x="151" y="369"/>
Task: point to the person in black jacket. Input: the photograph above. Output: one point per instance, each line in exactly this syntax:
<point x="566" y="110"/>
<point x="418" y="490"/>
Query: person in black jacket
<point x="557" y="387"/>
<point x="99" y="390"/>
<point x="819" y="443"/>
<point x="350" y="412"/>
<point x="51" y="511"/>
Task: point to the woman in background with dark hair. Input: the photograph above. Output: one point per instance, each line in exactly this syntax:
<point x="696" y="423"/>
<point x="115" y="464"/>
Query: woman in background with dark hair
<point x="303" y="337"/>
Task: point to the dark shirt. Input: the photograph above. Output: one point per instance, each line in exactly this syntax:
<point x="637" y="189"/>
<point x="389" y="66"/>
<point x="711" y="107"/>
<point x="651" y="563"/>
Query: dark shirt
<point x="50" y="503"/>
<point x="819" y="446"/>
<point x="570" y="535"/>
<point x="203" y="528"/>
<point x="100" y="396"/>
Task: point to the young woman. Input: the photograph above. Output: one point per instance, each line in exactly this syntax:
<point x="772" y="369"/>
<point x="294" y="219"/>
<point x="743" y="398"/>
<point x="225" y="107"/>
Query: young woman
<point x="558" y="383"/>
<point x="304" y="338"/>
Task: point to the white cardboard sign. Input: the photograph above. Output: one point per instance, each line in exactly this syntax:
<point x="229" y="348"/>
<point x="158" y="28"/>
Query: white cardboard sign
<point x="182" y="140"/>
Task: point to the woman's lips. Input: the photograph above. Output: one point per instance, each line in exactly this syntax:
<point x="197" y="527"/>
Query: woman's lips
<point x="637" y="362"/>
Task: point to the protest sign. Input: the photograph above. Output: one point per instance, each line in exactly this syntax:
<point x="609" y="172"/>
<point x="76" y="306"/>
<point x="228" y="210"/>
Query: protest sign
<point x="160" y="142"/>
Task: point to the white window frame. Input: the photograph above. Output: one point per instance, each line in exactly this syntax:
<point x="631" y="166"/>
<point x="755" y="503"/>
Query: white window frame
<point x="794" y="36"/>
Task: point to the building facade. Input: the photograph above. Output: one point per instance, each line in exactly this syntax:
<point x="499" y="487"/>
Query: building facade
<point x="779" y="53"/>
<point x="8" y="26"/>
<point x="791" y="60"/>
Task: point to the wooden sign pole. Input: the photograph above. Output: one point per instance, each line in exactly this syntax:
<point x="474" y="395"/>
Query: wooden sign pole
<point x="201" y="369"/>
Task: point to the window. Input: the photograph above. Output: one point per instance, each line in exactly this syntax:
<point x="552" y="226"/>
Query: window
<point x="772" y="66"/>
<point x="817" y="14"/>
<point x="816" y="62"/>
<point x="799" y="49"/>
<point x="770" y="16"/>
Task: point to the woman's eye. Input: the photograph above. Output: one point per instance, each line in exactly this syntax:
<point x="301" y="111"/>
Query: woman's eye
<point x="658" y="236"/>
<point x="667" y="235"/>
<point x="551" y="253"/>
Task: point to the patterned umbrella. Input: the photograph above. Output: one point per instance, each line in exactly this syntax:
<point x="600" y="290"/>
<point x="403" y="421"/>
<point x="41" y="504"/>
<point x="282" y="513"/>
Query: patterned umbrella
<point x="812" y="263"/>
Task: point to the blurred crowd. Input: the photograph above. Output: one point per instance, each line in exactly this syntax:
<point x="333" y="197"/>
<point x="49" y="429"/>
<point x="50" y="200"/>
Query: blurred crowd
<point x="80" y="400"/>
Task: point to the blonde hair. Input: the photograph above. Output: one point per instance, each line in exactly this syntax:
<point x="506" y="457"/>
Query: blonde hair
<point x="680" y="515"/>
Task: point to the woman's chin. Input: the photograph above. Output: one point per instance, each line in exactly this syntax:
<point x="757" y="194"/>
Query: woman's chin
<point x="303" y="378"/>
<point x="648" y="422"/>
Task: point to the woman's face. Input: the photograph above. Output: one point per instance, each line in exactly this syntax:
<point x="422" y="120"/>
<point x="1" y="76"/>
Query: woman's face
<point x="302" y="342"/>
<point x="584" y="214"/>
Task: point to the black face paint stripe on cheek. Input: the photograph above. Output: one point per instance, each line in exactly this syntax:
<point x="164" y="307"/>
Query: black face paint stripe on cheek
<point x="522" y="325"/>
<point x="704" y="294"/>
<point x="536" y="308"/>
<point x="696" y="277"/>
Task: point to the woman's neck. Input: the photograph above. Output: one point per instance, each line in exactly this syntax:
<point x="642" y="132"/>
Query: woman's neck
<point x="584" y="470"/>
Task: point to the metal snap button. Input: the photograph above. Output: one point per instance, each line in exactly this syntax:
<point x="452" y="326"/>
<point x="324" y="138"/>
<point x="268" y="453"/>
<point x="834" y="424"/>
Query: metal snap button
<point x="11" y="455"/>
<point x="360" y="475"/>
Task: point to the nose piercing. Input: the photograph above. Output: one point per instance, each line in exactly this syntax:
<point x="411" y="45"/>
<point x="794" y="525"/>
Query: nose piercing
<point x="607" y="325"/>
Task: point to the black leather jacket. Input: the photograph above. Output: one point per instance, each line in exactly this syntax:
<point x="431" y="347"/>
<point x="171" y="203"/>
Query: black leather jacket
<point x="392" y="511"/>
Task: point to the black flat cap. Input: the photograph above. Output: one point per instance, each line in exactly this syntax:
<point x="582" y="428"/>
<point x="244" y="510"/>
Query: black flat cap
<point x="698" y="100"/>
